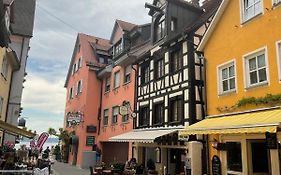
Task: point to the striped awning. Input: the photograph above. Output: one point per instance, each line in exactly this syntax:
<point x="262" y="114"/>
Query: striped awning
<point x="250" y="122"/>
<point x="143" y="136"/>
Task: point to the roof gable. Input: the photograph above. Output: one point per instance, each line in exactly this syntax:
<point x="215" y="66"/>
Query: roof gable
<point x="213" y="24"/>
<point x="88" y="45"/>
<point x="120" y="27"/>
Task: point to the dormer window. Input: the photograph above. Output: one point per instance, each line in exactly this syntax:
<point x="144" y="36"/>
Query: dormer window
<point x="159" y="28"/>
<point x="118" y="47"/>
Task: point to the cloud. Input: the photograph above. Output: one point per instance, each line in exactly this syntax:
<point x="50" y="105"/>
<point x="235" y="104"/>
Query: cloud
<point x="41" y="94"/>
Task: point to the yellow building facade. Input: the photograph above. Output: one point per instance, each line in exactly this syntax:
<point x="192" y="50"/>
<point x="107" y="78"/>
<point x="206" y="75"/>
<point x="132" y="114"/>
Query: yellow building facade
<point x="242" y="49"/>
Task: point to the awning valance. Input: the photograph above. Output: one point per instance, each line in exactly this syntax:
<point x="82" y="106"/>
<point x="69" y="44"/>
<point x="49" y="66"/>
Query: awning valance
<point x="144" y="136"/>
<point x="14" y="130"/>
<point x="251" y="122"/>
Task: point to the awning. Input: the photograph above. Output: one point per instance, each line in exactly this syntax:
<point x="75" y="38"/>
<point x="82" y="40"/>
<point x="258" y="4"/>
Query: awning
<point x="14" y="130"/>
<point x="251" y="122"/>
<point x="144" y="136"/>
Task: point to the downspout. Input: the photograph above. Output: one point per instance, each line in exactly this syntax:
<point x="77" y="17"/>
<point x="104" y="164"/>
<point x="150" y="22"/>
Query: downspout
<point x="191" y="77"/>
<point x="135" y="94"/>
<point x="99" y="115"/>
<point x="206" y="113"/>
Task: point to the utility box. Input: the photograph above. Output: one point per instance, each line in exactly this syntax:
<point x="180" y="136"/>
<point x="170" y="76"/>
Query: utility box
<point x="88" y="159"/>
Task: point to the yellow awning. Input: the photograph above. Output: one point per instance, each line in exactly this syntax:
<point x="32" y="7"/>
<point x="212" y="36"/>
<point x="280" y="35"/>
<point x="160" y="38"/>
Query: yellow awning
<point x="14" y="130"/>
<point x="251" y="122"/>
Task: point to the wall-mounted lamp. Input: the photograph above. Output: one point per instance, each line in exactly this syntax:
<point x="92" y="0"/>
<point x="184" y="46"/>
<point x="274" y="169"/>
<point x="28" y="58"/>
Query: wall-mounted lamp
<point x="218" y="146"/>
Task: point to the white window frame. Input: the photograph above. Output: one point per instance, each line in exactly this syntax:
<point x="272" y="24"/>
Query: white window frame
<point x="246" y="68"/>
<point x="219" y="77"/>
<point x="243" y="14"/>
<point x="278" y="56"/>
<point x="79" y="89"/>
<point x="115" y="115"/>
<point x="129" y="67"/>
<point x="275" y="2"/>
<point x="116" y="80"/>
<point x="103" y="117"/>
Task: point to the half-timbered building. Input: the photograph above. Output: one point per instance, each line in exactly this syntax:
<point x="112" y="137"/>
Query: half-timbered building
<point x="170" y="86"/>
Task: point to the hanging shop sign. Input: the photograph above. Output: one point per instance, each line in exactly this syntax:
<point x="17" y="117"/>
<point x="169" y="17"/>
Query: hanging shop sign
<point x="74" y="118"/>
<point x="271" y="140"/>
<point x="90" y="140"/>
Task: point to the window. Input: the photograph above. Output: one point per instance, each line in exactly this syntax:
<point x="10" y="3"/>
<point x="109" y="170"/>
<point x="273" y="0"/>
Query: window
<point x="159" y="68"/>
<point x="116" y="79"/>
<point x="5" y="65"/>
<point x="125" y="118"/>
<point x="115" y="111"/>
<point x="118" y="47"/>
<point x="1" y="105"/>
<point x="276" y="2"/>
<point x="105" y="117"/>
<point x="176" y="109"/>
<point x="158" y="117"/>
<point x="79" y="87"/>
<point x="227" y="78"/>
<point x="79" y="63"/>
<point x="101" y="60"/>
<point x="74" y="68"/>
<point x="127" y="74"/>
<point x="145" y="73"/>
<point x="256" y="69"/>
<point x="107" y="84"/>
<point x="251" y="8"/>
<point x="71" y="93"/>
<point x="174" y="23"/>
<point x="144" y="116"/>
<point x="279" y="58"/>
<point x="175" y="60"/>
<point x="234" y="156"/>
<point x="159" y="28"/>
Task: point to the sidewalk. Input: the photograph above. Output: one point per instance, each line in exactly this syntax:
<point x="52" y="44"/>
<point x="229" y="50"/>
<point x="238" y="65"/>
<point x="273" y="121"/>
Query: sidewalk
<point x="60" y="168"/>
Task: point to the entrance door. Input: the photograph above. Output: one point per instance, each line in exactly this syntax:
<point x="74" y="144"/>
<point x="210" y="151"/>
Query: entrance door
<point x="259" y="158"/>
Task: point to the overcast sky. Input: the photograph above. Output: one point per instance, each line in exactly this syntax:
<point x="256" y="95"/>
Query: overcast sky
<point x="57" y="23"/>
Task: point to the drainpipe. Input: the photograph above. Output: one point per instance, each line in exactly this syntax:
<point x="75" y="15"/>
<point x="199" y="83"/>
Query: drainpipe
<point x="191" y="77"/>
<point x="135" y="94"/>
<point x="99" y="114"/>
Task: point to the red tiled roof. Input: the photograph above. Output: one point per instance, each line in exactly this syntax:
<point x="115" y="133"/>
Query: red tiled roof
<point x="125" y="25"/>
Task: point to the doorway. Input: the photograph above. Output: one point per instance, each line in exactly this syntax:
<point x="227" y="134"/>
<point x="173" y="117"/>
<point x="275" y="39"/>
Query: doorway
<point x="259" y="158"/>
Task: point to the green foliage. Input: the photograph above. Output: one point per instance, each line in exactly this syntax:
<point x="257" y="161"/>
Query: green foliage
<point x="268" y="100"/>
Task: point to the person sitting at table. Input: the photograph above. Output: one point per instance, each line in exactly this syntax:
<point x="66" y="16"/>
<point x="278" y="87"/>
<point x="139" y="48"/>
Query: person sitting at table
<point x="131" y="164"/>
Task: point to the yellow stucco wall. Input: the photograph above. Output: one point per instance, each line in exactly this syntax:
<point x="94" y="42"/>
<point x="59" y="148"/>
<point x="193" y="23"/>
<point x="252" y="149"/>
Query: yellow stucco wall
<point x="231" y="40"/>
<point x="4" y="83"/>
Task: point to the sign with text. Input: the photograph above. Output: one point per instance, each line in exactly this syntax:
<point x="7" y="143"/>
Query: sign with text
<point x="90" y="140"/>
<point x="216" y="165"/>
<point x="271" y="140"/>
